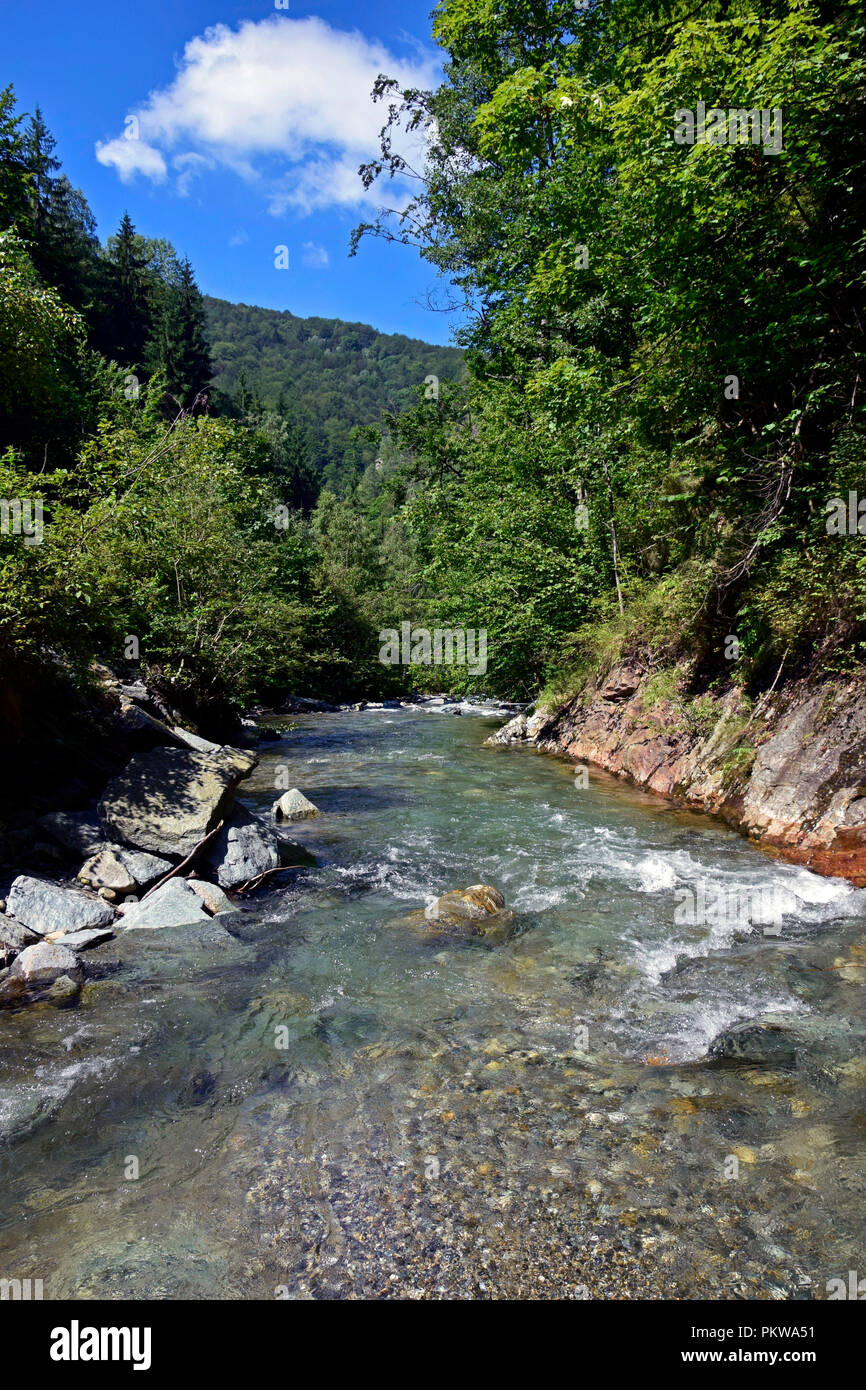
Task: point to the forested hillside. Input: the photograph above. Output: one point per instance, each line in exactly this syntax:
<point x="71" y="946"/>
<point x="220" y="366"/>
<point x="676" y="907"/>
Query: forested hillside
<point x="338" y="375"/>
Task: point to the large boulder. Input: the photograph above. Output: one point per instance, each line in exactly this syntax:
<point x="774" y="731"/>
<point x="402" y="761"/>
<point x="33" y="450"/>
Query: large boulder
<point x="244" y="848"/>
<point x="174" y="904"/>
<point x="43" y="963"/>
<point x="166" y="801"/>
<point x="46" y="907"/>
<point x="293" y="805"/>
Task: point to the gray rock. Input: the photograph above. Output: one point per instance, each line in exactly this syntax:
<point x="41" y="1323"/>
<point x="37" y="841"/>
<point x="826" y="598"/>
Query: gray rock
<point x="123" y="869"/>
<point x="173" y="905"/>
<point x="46" y="907"/>
<point x="83" y="940"/>
<point x="14" y="936"/>
<point x="754" y="1042"/>
<point x="105" y="870"/>
<point x="214" y="899"/>
<point x="244" y="848"/>
<point x="143" y="868"/>
<point x="77" y="831"/>
<point x="167" y="800"/>
<point x="44" y="963"/>
<point x="293" y="805"/>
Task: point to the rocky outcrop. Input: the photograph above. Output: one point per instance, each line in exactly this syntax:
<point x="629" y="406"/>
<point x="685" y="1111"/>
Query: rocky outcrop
<point x="166" y="801"/>
<point x="790" y="772"/>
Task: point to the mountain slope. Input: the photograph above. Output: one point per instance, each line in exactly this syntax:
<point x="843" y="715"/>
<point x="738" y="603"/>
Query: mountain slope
<point x="336" y="375"/>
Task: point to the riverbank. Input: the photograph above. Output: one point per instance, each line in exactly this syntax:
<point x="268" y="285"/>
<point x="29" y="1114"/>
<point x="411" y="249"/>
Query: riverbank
<point x="788" y="770"/>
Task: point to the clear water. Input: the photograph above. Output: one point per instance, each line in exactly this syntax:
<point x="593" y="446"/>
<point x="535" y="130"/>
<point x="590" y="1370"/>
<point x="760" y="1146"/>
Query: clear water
<point x="322" y="1106"/>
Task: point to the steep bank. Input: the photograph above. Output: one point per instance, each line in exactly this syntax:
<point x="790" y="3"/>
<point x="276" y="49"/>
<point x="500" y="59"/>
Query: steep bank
<point x="790" y="771"/>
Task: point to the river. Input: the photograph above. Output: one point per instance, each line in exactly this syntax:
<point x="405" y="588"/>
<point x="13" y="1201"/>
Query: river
<point x="311" y="1102"/>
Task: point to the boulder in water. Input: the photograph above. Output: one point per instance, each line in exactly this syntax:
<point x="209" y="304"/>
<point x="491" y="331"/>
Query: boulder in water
<point x="477" y="912"/>
<point x="174" y="904"/>
<point x="244" y="848"/>
<point x="293" y="805"/>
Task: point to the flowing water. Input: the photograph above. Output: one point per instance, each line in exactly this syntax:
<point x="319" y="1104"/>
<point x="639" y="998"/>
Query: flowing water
<point x="305" y="1100"/>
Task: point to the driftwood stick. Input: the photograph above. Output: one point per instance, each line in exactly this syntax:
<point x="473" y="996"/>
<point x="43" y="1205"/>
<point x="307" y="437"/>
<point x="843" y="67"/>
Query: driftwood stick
<point x="189" y="858"/>
<point x="254" y="882"/>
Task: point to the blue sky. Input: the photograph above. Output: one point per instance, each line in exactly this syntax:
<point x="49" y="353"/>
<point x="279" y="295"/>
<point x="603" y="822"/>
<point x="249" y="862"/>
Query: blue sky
<point x="232" y="129"/>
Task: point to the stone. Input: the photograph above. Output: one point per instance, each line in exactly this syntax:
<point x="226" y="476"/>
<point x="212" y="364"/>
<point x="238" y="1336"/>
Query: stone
<point x="621" y="684"/>
<point x="47" y="907"/>
<point x="214" y="899"/>
<point x="174" y="904"/>
<point x="105" y="870"/>
<point x="166" y="801"/>
<point x="83" y="940"/>
<point x="14" y="936"/>
<point x="123" y="870"/>
<point x="44" y="963"/>
<point x="755" y="1042"/>
<point x="475" y="912"/>
<point x="77" y="831"/>
<point x="244" y="848"/>
<point x="293" y="805"/>
<point x="464" y="904"/>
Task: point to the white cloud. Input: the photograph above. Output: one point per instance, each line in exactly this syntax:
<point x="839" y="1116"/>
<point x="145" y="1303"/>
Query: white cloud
<point x="315" y="257"/>
<point x="284" y="102"/>
<point x="131" y="157"/>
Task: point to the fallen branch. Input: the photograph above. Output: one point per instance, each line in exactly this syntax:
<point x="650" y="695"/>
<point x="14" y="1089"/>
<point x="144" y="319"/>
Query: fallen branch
<point x="252" y="883"/>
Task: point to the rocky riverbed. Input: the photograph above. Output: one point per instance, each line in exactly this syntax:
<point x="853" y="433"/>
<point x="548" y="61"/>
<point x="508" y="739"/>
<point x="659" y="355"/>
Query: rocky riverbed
<point x="363" y="1083"/>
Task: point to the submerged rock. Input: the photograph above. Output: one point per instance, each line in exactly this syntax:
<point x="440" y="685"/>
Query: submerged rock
<point x="167" y="801"/>
<point x="293" y="805"/>
<point x="755" y="1042"/>
<point x="47" y="907"/>
<point x="244" y="848"/>
<point x="475" y="912"/>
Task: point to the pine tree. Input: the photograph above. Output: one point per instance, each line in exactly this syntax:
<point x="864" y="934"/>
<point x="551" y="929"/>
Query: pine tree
<point x="179" y="346"/>
<point x="129" y="293"/>
<point x="14" y="181"/>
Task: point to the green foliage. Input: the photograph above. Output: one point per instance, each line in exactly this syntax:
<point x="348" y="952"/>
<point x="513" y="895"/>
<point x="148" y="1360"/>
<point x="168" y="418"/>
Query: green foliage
<point x="338" y="376"/>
